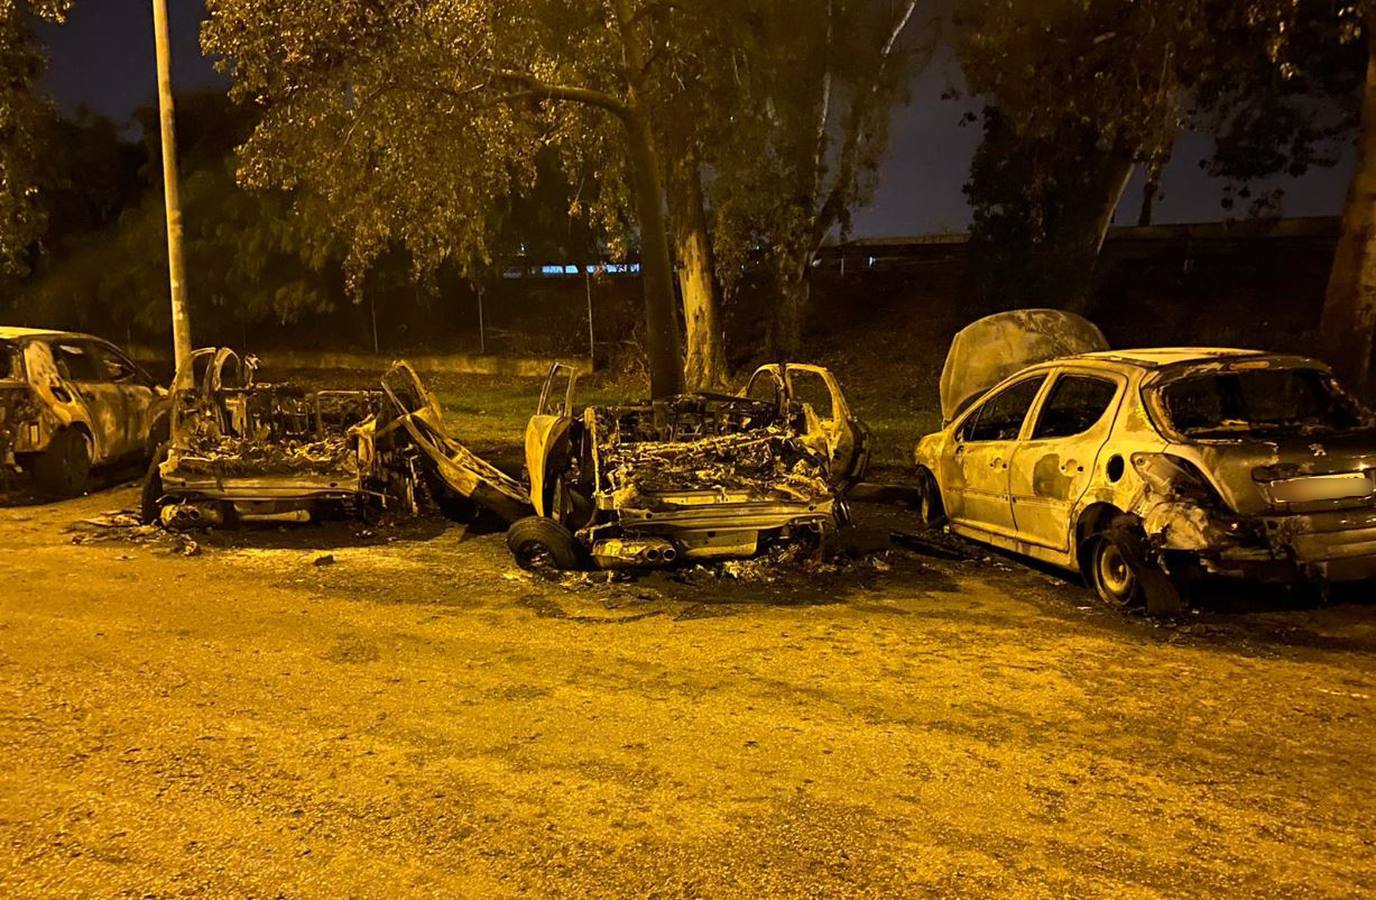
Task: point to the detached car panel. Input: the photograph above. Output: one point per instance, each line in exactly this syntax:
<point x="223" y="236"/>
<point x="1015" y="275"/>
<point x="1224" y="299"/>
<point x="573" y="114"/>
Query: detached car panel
<point x="1131" y="465"/>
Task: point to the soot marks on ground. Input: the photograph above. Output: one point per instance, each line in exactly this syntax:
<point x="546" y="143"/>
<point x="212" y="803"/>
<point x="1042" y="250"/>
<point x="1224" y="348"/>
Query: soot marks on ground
<point x="353" y="649"/>
<point x="546" y="607"/>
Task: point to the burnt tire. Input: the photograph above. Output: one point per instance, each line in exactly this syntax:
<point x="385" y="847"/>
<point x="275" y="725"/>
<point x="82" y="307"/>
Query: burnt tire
<point x="1124" y="572"/>
<point x="64" y="469"/>
<point x="539" y="543"/>
<point x="150" y="490"/>
<point x="930" y="510"/>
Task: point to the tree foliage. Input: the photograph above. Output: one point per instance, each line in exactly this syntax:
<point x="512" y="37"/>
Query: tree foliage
<point x="412" y="120"/>
<point x="815" y="86"/>
<point x="23" y="113"/>
<point x="1033" y="236"/>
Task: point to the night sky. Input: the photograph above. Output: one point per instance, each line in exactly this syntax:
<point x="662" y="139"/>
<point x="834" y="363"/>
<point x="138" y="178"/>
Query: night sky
<point x="103" y="59"/>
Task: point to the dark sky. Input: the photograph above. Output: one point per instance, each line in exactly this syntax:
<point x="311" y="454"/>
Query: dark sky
<point x="103" y="58"/>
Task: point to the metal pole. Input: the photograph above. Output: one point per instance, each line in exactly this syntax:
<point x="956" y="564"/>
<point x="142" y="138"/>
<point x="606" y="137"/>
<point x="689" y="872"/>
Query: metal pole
<point x="372" y="310"/>
<point x="482" y="331"/>
<point x="176" y="268"/>
<point x="592" y="339"/>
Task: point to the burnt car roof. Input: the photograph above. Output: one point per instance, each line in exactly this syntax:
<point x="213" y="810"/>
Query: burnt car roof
<point x="14" y="333"/>
<point x="1158" y="357"/>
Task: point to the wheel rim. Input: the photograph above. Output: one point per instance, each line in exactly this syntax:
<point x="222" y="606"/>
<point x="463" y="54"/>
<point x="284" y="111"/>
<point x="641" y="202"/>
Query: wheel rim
<point x="1114" y="573"/>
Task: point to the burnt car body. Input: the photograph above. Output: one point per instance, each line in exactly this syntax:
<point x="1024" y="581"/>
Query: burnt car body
<point x="244" y="450"/>
<point x="71" y="402"/>
<point x="1143" y="468"/>
<point x="697" y="476"/>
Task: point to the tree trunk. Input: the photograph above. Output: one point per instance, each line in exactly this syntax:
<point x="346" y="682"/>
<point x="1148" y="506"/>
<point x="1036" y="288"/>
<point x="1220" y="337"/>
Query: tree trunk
<point x="1079" y="296"/>
<point x="704" y="366"/>
<point x="1349" y="309"/>
<point x="1149" y="190"/>
<point x="662" y="344"/>
<point x="1120" y="172"/>
<point x="785" y="334"/>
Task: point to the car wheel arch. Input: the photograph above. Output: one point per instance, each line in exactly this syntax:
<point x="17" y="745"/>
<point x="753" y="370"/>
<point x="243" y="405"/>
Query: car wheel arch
<point x="1092" y="520"/>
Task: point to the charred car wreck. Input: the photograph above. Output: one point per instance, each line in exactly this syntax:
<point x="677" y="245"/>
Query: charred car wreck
<point x="70" y="403"/>
<point x="1144" y="468"/>
<point x="244" y="450"/>
<point x="692" y="477"/>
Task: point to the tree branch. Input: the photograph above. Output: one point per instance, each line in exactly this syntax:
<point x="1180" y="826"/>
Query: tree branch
<point x="535" y="88"/>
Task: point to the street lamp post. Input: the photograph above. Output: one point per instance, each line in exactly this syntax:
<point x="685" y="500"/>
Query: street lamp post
<point x="181" y="320"/>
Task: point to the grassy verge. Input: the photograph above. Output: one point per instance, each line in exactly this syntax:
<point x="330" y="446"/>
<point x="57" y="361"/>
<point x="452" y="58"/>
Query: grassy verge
<point x="489" y="412"/>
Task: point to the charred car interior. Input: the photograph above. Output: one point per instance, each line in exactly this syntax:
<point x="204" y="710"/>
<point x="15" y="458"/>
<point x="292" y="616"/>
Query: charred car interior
<point x="244" y="450"/>
<point x="692" y="477"/>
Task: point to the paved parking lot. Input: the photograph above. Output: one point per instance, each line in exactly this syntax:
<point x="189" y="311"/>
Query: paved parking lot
<point x="324" y="712"/>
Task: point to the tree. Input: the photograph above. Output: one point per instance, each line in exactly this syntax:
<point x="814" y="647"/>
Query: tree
<point x="1279" y="81"/>
<point x="818" y="80"/>
<point x="1035" y="229"/>
<point x="23" y="113"/>
<point x="408" y="120"/>
<point x="1118" y="69"/>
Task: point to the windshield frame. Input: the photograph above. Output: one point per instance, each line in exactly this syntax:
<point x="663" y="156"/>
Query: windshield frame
<point x="1153" y="390"/>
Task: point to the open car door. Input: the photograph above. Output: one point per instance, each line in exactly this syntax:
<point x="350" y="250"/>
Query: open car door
<point x="817" y="391"/>
<point x="418" y="412"/>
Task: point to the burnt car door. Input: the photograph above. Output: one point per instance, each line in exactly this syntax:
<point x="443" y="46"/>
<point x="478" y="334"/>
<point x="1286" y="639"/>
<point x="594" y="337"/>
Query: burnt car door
<point x="827" y="413"/>
<point x="1050" y="471"/>
<point x="848" y="440"/>
<point x="974" y="480"/>
<point x="138" y="395"/>
<point x="548" y="448"/>
<point x="81" y="377"/>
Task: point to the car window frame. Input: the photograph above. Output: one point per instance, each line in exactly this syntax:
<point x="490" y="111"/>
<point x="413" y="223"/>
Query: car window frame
<point x="140" y="378"/>
<point x="1118" y="381"/>
<point x="87" y="346"/>
<point x="1014" y="382"/>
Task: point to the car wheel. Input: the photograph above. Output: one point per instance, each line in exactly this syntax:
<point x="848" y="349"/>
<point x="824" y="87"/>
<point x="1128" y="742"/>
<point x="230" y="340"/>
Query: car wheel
<point x="540" y="543"/>
<point x="159" y="436"/>
<point x="64" y="469"/>
<point x="151" y="493"/>
<point x="930" y="510"/>
<point x="1124" y="573"/>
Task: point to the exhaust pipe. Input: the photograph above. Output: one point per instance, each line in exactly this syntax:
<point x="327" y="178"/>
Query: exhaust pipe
<point x="622" y="553"/>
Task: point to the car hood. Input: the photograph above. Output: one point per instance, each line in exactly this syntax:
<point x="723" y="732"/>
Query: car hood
<point x="987" y="351"/>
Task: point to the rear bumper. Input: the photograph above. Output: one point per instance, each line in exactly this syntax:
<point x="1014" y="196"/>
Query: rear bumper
<point x="1335" y="546"/>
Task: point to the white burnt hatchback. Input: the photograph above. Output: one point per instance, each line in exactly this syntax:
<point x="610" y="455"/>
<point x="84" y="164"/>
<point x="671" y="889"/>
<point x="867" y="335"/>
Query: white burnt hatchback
<point x="70" y="402"/>
<point x="1143" y="468"/>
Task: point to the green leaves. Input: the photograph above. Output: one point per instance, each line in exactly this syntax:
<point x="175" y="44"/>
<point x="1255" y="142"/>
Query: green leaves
<point x="22" y="116"/>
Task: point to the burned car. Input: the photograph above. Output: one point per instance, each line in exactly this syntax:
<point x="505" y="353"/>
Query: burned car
<point x="1143" y="468"/>
<point x="696" y="476"/>
<point x="71" y="402"/>
<point x="245" y="450"/>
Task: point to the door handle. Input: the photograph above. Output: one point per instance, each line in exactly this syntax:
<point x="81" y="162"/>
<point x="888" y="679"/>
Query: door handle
<point x="996" y="464"/>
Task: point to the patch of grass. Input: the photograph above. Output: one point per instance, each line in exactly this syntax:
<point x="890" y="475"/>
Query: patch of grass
<point x="489" y="413"/>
